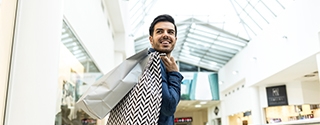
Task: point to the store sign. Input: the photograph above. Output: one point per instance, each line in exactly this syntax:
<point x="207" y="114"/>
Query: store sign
<point x="185" y="119"/>
<point x="277" y="95"/>
<point x="247" y="113"/>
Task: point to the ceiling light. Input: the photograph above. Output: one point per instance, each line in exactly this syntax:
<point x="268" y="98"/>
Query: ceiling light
<point x="235" y="72"/>
<point x="311" y="75"/>
<point x="131" y="35"/>
<point x="75" y="48"/>
<point x="221" y="82"/>
<point x="193" y="25"/>
<point x="254" y="58"/>
<point x="197" y="106"/>
<point x="203" y="102"/>
<point x="284" y="39"/>
<point x="65" y="35"/>
<point x="213" y="63"/>
<point x="192" y="30"/>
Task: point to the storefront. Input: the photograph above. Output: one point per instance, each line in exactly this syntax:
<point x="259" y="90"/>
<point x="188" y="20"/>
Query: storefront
<point x="243" y="118"/>
<point x="183" y="121"/>
<point x="282" y="103"/>
<point x="293" y="113"/>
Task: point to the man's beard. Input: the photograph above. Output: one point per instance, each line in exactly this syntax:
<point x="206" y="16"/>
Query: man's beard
<point x="167" y="51"/>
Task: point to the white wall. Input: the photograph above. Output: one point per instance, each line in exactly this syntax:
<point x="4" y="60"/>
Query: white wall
<point x="294" y="93"/>
<point x="89" y="22"/>
<point x="118" y="58"/>
<point x="274" y="53"/>
<point x="240" y="98"/>
<point x="120" y="25"/>
<point x="310" y="91"/>
<point x="7" y="19"/>
<point x="239" y="101"/>
<point x="34" y="70"/>
<point x="239" y="63"/>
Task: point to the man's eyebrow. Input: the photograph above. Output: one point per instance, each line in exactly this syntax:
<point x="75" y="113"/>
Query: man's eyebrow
<point x="163" y="29"/>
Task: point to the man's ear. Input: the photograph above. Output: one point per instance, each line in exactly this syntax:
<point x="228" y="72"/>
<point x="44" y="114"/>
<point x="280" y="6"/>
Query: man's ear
<point x="151" y="40"/>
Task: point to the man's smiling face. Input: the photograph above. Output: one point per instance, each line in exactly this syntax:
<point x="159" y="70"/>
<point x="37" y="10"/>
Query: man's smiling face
<point x="164" y="37"/>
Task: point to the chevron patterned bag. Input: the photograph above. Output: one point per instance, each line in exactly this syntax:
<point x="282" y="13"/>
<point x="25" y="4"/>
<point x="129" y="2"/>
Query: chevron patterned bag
<point x="141" y="106"/>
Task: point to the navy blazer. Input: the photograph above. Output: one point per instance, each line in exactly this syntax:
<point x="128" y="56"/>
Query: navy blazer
<point x="171" y="86"/>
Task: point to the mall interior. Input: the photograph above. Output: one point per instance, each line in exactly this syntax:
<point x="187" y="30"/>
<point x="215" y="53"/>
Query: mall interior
<point x="244" y="62"/>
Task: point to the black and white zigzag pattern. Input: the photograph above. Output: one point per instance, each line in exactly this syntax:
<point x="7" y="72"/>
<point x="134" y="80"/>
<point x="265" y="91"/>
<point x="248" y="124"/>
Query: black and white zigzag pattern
<point x="141" y="106"/>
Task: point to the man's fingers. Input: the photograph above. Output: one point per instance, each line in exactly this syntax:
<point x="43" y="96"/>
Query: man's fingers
<point x="165" y="59"/>
<point x="172" y="59"/>
<point x="170" y="63"/>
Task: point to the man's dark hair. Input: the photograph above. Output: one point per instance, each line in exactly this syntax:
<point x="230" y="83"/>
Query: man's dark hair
<point x="162" y="18"/>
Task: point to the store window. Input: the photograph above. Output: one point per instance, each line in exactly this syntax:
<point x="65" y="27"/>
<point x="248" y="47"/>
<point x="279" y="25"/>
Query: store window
<point x="77" y="72"/>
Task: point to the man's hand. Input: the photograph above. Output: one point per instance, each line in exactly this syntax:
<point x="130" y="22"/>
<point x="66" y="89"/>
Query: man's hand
<point x="170" y="63"/>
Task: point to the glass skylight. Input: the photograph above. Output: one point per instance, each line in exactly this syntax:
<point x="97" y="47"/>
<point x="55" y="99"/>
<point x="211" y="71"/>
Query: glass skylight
<point x="212" y="30"/>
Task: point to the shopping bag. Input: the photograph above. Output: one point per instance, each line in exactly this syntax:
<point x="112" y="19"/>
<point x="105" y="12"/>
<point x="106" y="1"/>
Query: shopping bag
<point x="105" y="93"/>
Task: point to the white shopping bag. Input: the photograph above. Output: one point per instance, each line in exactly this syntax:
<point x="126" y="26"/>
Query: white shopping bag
<point x="106" y="92"/>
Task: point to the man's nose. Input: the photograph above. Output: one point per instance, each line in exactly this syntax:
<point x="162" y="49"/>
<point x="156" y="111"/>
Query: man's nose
<point x="165" y="35"/>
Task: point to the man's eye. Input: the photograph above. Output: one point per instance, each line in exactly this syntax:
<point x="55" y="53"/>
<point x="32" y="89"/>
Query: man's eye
<point x="171" y="32"/>
<point x="159" y="31"/>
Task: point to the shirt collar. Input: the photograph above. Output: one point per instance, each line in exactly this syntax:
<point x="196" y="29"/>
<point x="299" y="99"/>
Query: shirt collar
<point x="151" y="50"/>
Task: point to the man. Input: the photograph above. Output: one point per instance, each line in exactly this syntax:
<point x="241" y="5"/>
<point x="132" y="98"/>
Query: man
<point x="163" y="37"/>
<point x="153" y="100"/>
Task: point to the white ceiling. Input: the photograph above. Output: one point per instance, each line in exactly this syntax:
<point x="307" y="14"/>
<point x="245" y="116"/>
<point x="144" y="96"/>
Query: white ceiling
<point x="296" y="72"/>
<point x="189" y="105"/>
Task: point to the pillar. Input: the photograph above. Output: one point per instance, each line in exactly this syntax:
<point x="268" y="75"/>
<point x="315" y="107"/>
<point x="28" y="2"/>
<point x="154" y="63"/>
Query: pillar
<point x="35" y="60"/>
<point x="256" y="110"/>
<point x="7" y="20"/>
